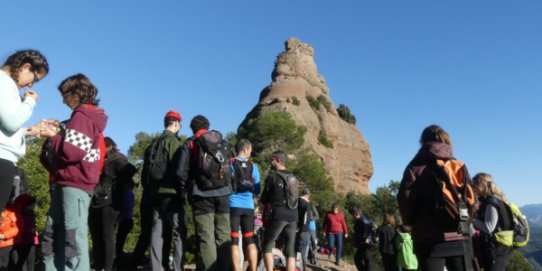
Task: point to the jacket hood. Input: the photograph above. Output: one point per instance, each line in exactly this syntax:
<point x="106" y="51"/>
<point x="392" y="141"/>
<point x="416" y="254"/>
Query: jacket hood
<point x="435" y="150"/>
<point x="96" y="114"/>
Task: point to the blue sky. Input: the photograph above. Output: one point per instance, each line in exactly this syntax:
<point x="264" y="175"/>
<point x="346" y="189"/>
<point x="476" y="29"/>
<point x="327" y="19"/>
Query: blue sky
<point x="473" y="67"/>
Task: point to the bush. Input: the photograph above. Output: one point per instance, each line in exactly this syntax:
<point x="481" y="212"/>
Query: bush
<point x="344" y="114"/>
<point x="322" y="138"/>
<point x="295" y="100"/>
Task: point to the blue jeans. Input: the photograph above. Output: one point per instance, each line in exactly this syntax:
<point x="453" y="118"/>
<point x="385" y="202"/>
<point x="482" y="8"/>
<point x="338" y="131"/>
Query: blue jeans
<point x="331" y="241"/>
<point x="65" y="238"/>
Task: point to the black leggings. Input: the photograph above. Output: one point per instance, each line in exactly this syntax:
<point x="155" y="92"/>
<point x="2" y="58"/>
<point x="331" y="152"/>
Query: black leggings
<point x="102" y="228"/>
<point x="243" y="217"/>
<point x="7" y="173"/>
<point x="288" y="231"/>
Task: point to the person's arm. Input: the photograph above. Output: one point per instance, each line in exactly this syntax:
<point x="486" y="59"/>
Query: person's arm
<point x="13" y="112"/>
<point x="314" y="213"/>
<point x="256" y="176"/>
<point x="77" y="141"/>
<point x="183" y="165"/>
<point x="345" y="229"/>
<point x="405" y="196"/>
<point x="490" y="223"/>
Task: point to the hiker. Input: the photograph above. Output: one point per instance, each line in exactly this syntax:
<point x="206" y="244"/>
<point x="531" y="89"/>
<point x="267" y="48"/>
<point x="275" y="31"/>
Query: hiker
<point x="166" y="195"/>
<point x="365" y="239"/>
<point x="106" y="203"/>
<point x="74" y="156"/>
<point x="335" y="229"/>
<point x="206" y="177"/>
<point x="22" y="69"/>
<point x="305" y="213"/>
<point x="386" y="234"/>
<point x="284" y="214"/>
<point x="246" y="184"/>
<point x="492" y="216"/>
<point x="440" y="239"/>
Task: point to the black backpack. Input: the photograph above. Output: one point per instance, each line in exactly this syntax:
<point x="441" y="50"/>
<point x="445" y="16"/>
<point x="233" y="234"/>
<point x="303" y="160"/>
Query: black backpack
<point x="291" y="191"/>
<point x="154" y="163"/>
<point x="214" y="166"/>
<point x="243" y="181"/>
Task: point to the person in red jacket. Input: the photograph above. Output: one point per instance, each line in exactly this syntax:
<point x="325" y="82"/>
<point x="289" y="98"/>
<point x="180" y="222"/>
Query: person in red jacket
<point x="334" y="229"/>
<point x="9" y="229"/>
<point x="75" y="159"/>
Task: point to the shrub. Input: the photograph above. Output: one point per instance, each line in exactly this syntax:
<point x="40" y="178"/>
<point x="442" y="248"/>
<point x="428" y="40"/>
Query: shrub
<point x="322" y="138"/>
<point x="344" y="114"/>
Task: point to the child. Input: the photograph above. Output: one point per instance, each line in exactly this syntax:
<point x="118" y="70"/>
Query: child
<point x="405" y="249"/>
<point x="27" y="240"/>
<point x="8" y="231"/>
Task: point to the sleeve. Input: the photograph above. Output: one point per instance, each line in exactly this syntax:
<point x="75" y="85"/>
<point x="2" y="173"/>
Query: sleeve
<point x="183" y="165"/>
<point x="256" y="176"/>
<point x="405" y="197"/>
<point x="314" y="212"/>
<point x="491" y="219"/>
<point x="13" y="112"/>
<point x="343" y="223"/>
<point x="77" y="141"/>
<point x="266" y="198"/>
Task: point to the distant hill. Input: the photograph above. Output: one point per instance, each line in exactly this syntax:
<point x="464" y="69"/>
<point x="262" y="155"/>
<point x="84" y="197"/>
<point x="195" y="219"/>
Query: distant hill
<point x="533" y="212"/>
<point x="533" y="250"/>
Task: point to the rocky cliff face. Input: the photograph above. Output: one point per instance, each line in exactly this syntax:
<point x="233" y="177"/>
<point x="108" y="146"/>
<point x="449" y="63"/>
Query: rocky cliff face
<point x="297" y="88"/>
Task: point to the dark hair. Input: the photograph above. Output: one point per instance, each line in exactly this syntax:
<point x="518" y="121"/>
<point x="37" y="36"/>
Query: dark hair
<point x="81" y="86"/>
<point x="242" y="144"/>
<point x="356" y="212"/>
<point x="110" y="143"/>
<point x="38" y="63"/>
<point x="169" y="120"/>
<point x="435" y="133"/>
<point x="199" y="122"/>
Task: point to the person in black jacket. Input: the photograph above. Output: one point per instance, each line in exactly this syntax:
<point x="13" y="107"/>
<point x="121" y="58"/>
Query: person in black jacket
<point x="386" y="234"/>
<point x="492" y="216"/>
<point x="106" y="203"/>
<point x="365" y="240"/>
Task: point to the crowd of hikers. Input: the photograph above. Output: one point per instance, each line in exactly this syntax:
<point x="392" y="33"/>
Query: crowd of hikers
<point x="447" y="220"/>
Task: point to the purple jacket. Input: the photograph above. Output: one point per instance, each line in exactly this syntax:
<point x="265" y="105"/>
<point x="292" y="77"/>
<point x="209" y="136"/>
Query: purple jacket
<point x="78" y="153"/>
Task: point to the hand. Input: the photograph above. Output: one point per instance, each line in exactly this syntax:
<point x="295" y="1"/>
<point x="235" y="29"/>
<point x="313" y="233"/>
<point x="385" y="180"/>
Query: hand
<point x="48" y="131"/>
<point x="32" y="94"/>
<point x="346" y="236"/>
<point x="2" y="237"/>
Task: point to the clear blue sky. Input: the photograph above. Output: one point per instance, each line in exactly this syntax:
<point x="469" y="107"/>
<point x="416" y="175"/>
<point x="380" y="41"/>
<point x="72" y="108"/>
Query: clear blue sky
<point x="473" y="67"/>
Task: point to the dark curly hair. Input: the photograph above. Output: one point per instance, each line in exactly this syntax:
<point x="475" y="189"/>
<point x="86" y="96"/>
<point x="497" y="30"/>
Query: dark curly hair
<point x="37" y="61"/>
<point x="199" y="122"/>
<point x="81" y="86"/>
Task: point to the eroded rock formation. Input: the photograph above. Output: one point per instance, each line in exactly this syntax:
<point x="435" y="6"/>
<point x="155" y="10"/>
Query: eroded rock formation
<point x="296" y="84"/>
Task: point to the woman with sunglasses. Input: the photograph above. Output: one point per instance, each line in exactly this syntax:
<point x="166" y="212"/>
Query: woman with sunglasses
<point x="22" y="69"/>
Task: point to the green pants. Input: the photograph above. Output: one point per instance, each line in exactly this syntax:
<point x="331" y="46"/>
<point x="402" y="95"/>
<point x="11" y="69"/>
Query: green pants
<point x="213" y="235"/>
<point x="65" y="238"/>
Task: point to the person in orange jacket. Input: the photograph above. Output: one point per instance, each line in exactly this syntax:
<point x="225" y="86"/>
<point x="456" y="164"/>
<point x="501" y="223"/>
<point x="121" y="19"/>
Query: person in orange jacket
<point x="9" y="229"/>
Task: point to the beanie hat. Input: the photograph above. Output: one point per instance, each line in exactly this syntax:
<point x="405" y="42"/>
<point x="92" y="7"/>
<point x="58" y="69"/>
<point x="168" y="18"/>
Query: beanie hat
<point x="173" y="114"/>
<point x="306" y="192"/>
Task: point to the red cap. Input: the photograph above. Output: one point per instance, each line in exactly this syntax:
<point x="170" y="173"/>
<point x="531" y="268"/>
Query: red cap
<point x="173" y="114"/>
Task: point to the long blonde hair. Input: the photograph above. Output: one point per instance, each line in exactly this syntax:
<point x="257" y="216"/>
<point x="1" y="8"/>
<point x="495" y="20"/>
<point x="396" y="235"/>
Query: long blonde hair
<point x="486" y="186"/>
